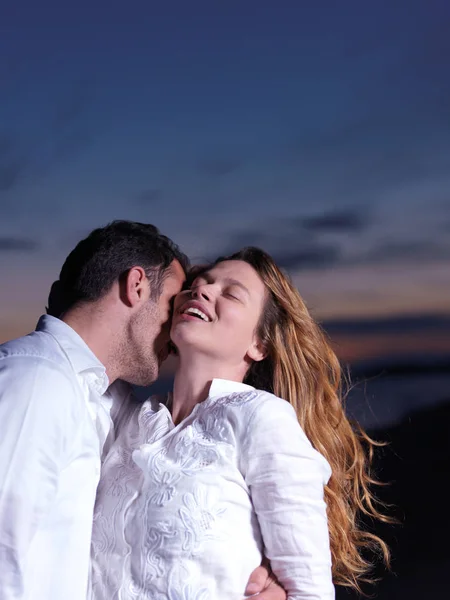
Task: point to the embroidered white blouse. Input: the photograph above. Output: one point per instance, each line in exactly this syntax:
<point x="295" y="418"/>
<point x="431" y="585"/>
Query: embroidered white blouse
<point x="186" y="512"/>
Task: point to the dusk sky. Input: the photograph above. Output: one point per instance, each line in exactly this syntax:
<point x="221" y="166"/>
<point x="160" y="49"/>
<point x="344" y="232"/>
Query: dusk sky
<point x="318" y="131"/>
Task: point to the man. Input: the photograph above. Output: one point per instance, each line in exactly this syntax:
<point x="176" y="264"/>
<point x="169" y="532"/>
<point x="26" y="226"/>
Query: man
<point x="61" y="388"/>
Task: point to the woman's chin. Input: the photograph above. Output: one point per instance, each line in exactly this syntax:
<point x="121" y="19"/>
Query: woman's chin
<point x="188" y="343"/>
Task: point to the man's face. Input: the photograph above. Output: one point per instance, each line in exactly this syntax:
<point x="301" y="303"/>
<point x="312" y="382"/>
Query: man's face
<point x="171" y="288"/>
<point x="150" y="330"/>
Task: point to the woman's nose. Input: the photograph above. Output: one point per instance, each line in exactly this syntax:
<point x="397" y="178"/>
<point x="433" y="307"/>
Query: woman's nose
<point x="201" y="291"/>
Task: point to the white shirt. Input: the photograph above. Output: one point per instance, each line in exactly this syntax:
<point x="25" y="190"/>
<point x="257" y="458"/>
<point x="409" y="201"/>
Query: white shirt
<point x="185" y="512"/>
<point x="54" y="420"/>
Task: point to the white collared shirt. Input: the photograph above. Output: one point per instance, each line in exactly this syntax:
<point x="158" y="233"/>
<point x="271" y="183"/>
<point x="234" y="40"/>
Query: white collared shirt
<point x="186" y="512"/>
<point x="54" y="420"/>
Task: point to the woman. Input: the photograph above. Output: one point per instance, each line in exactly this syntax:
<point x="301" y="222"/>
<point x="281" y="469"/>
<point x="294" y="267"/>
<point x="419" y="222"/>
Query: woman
<point x="236" y="462"/>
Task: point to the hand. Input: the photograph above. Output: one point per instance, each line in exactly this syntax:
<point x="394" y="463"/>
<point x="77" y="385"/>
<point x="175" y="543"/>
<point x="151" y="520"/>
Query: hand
<point x="262" y="585"/>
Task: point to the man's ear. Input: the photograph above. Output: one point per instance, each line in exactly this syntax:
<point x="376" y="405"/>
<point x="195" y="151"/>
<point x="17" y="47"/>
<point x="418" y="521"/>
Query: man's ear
<point x="257" y="351"/>
<point x="136" y="287"/>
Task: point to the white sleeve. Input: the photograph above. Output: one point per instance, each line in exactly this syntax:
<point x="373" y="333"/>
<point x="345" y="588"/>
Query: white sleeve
<point x="36" y="403"/>
<point x="286" y="478"/>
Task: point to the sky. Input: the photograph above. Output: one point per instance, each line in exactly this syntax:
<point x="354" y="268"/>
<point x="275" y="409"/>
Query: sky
<point x="318" y="131"/>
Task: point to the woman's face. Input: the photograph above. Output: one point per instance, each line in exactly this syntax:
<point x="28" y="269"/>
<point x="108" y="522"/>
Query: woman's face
<point x="219" y="314"/>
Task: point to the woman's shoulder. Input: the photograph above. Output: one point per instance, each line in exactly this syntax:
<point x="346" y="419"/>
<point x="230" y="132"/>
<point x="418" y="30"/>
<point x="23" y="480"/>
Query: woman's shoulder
<point x="254" y="406"/>
<point x="253" y="398"/>
<point x="260" y="411"/>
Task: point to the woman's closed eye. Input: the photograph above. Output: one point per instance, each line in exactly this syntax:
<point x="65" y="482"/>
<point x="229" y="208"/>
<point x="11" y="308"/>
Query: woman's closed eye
<point x="233" y="294"/>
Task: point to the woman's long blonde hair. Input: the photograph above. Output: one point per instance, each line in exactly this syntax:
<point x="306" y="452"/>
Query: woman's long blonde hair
<point x="302" y="368"/>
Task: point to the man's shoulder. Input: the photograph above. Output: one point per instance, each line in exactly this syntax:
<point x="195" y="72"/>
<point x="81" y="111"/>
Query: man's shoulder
<point x="36" y="345"/>
<point x="37" y="353"/>
<point x="37" y="379"/>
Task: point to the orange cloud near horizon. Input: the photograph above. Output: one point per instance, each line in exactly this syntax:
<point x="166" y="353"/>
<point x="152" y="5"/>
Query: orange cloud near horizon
<point x="349" y="348"/>
<point x="357" y="293"/>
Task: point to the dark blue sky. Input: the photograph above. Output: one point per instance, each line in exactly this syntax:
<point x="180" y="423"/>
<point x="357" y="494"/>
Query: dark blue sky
<point x="320" y="131"/>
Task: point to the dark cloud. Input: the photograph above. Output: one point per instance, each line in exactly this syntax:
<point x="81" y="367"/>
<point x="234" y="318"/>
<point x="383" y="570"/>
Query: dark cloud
<point x="406" y="251"/>
<point x="71" y="144"/>
<point x="337" y="221"/>
<point x="7" y="68"/>
<point x="13" y="163"/>
<point x="11" y="171"/>
<point x="358" y="160"/>
<point x="66" y="134"/>
<point x="11" y="244"/>
<point x="311" y="257"/>
<point x="368" y="43"/>
<point x="70" y="108"/>
<point x="426" y="57"/>
<point x="6" y="144"/>
<point x="219" y="166"/>
<point x="290" y="246"/>
<point x="296" y="244"/>
<point x="344" y="138"/>
<point x="397" y="133"/>
<point x="149" y="196"/>
<point x="70" y="132"/>
<point x="252" y="237"/>
<point x="389" y="325"/>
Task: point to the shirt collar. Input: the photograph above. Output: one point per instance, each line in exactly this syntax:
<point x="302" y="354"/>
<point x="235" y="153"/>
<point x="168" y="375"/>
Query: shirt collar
<point x="80" y="356"/>
<point x="222" y="387"/>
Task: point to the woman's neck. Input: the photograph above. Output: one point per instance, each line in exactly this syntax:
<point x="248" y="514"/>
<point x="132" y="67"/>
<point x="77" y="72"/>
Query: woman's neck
<point x="193" y="381"/>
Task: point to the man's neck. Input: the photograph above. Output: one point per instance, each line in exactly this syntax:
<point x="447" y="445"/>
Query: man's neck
<point x="193" y="380"/>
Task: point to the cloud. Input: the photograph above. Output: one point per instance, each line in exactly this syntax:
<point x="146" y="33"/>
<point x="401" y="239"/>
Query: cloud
<point x="11" y="171"/>
<point x="70" y="108"/>
<point x="336" y="221"/>
<point x="13" y="162"/>
<point x="219" y="166"/>
<point x="394" y="128"/>
<point x="291" y="247"/>
<point x="405" y="252"/>
<point x="302" y="243"/>
<point x="11" y="244"/>
<point x="393" y="325"/>
<point x="149" y="196"/>
<point x="69" y="132"/>
<point x="6" y="144"/>
<point x="314" y="256"/>
<point x="426" y="58"/>
<point x="62" y="138"/>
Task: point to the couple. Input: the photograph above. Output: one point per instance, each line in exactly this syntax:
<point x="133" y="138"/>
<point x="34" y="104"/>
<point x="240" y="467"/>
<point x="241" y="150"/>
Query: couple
<point x="250" y="456"/>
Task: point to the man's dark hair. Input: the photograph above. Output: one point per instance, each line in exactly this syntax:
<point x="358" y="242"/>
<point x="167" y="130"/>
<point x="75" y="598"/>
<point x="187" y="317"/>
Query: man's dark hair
<point x="105" y="256"/>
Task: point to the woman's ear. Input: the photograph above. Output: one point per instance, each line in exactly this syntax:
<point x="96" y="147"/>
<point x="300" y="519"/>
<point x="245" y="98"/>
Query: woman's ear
<point x="257" y="351"/>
